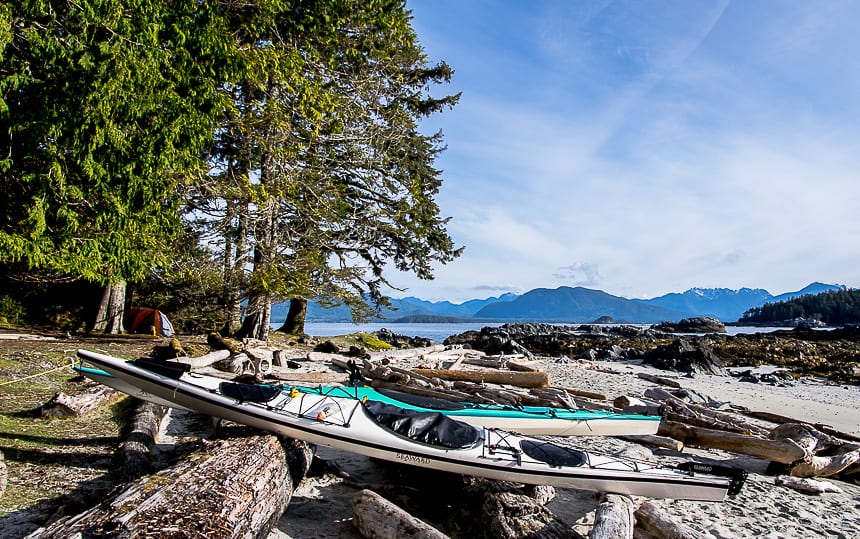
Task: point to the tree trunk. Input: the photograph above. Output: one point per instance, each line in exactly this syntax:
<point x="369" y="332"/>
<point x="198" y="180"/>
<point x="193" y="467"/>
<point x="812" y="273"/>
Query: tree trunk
<point x="111" y="309"/>
<point x="257" y="318"/>
<point x="236" y="487"/>
<point x="295" y="321"/>
<point x="234" y="266"/>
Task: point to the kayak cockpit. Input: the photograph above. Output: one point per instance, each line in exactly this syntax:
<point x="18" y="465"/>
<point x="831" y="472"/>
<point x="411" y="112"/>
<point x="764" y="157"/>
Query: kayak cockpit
<point x="431" y="428"/>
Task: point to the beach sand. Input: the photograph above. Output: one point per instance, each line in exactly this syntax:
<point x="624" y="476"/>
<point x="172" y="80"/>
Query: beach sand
<point x="321" y="506"/>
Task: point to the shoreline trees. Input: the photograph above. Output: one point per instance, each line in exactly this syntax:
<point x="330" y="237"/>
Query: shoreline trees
<point x="280" y="137"/>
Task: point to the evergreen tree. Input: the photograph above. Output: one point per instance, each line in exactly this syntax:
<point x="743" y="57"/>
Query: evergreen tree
<point x="106" y="107"/>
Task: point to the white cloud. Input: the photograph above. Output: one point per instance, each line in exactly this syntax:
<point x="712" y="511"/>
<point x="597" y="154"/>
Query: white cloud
<point x="670" y="146"/>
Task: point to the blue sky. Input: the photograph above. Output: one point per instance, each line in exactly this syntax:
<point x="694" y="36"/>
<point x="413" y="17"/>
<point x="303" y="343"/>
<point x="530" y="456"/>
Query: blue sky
<point x="646" y="147"/>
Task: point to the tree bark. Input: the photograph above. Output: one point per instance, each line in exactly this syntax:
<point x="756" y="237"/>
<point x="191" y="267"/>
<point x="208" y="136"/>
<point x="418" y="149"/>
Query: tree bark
<point x="257" y="317"/>
<point x="375" y="517"/>
<point x="111" y="309"/>
<point x="294" y="324"/>
<point x="3" y="474"/>
<point x="135" y="452"/>
<point x="521" y="379"/>
<point x="236" y="487"/>
<point x="234" y="264"/>
<point x="613" y="518"/>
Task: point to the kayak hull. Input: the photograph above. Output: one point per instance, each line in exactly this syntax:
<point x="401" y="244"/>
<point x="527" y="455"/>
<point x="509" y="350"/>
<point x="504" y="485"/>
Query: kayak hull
<point x="347" y="424"/>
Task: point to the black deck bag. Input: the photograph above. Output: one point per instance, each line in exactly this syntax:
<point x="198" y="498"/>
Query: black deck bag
<point x="554" y="455"/>
<point x="171" y="369"/>
<point x="249" y="392"/>
<point x="432" y="428"/>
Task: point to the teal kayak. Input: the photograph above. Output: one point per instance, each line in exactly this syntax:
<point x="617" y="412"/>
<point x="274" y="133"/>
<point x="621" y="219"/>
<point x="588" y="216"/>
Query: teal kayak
<point x="531" y="420"/>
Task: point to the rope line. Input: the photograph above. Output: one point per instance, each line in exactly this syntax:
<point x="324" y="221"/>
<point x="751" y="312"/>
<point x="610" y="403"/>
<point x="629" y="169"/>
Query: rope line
<point x="7" y="382"/>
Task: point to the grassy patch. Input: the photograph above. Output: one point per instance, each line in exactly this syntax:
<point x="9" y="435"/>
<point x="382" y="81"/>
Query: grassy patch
<point x="49" y="457"/>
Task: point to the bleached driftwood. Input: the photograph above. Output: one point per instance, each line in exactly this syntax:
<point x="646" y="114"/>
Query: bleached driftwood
<point x="806" y="485"/>
<point x="319" y="377"/>
<point x="63" y="405"/>
<point x="838" y="457"/>
<point x="660" y="525"/>
<point x="436" y="392"/>
<point x="625" y="400"/>
<point x="657" y="441"/>
<point x="261" y="359"/>
<point x="585" y="394"/>
<point x="702" y="416"/>
<point x="613" y="518"/>
<point x="375" y="517"/>
<point x="782" y="451"/>
<point x="204" y="360"/>
<point x="216" y="492"/>
<point x="521" y="379"/>
<point x="406" y="352"/>
<point x="662" y="380"/>
<point x="523" y="365"/>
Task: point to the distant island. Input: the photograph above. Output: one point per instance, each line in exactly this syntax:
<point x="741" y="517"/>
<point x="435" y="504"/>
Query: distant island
<point x="574" y="305"/>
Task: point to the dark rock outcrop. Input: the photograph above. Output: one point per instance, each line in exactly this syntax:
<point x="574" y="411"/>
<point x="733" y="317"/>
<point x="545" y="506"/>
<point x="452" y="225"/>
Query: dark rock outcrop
<point x="690" y="356"/>
<point x="703" y="324"/>
<point x="403" y="341"/>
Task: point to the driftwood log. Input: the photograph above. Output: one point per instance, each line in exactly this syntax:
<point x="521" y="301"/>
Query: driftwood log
<point x="320" y="377"/>
<point x="835" y="455"/>
<point x="520" y="379"/>
<point x="135" y="452"/>
<point x="613" y="518"/>
<point x="375" y="517"/>
<point x="781" y="451"/>
<point x="204" y="360"/>
<point x="501" y="510"/>
<point x="62" y="405"/>
<point x="662" y="380"/>
<point x="406" y="353"/>
<point x="703" y="416"/>
<point x="3" y="474"/>
<point x="658" y="441"/>
<point x="236" y="487"/>
<point x="806" y="485"/>
<point x="659" y="525"/>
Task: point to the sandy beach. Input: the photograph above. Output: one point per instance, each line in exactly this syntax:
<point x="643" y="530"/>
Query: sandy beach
<point x="321" y="506"/>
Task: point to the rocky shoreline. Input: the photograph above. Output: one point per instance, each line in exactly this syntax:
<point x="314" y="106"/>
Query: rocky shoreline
<point x="831" y="354"/>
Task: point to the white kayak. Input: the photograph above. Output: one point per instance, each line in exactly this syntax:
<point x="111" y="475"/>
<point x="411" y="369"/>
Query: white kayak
<point x="529" y="420"/>
<point x="426" y="439"/>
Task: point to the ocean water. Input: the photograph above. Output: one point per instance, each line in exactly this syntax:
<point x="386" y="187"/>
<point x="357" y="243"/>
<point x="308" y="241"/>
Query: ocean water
<point x="439" y="332"/>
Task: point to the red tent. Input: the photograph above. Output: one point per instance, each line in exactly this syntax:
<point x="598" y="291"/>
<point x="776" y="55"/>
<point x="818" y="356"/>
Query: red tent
<point x="147" y="320"/>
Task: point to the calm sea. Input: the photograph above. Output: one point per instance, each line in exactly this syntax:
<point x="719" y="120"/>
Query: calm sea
<point x="439" y="332"/>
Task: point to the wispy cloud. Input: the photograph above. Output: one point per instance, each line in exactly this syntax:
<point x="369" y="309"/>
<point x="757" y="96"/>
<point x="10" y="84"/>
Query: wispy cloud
<point x="668" y="144"/>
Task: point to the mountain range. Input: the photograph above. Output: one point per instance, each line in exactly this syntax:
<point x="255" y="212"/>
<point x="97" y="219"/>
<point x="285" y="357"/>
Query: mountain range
<point x="570" y="305"/>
